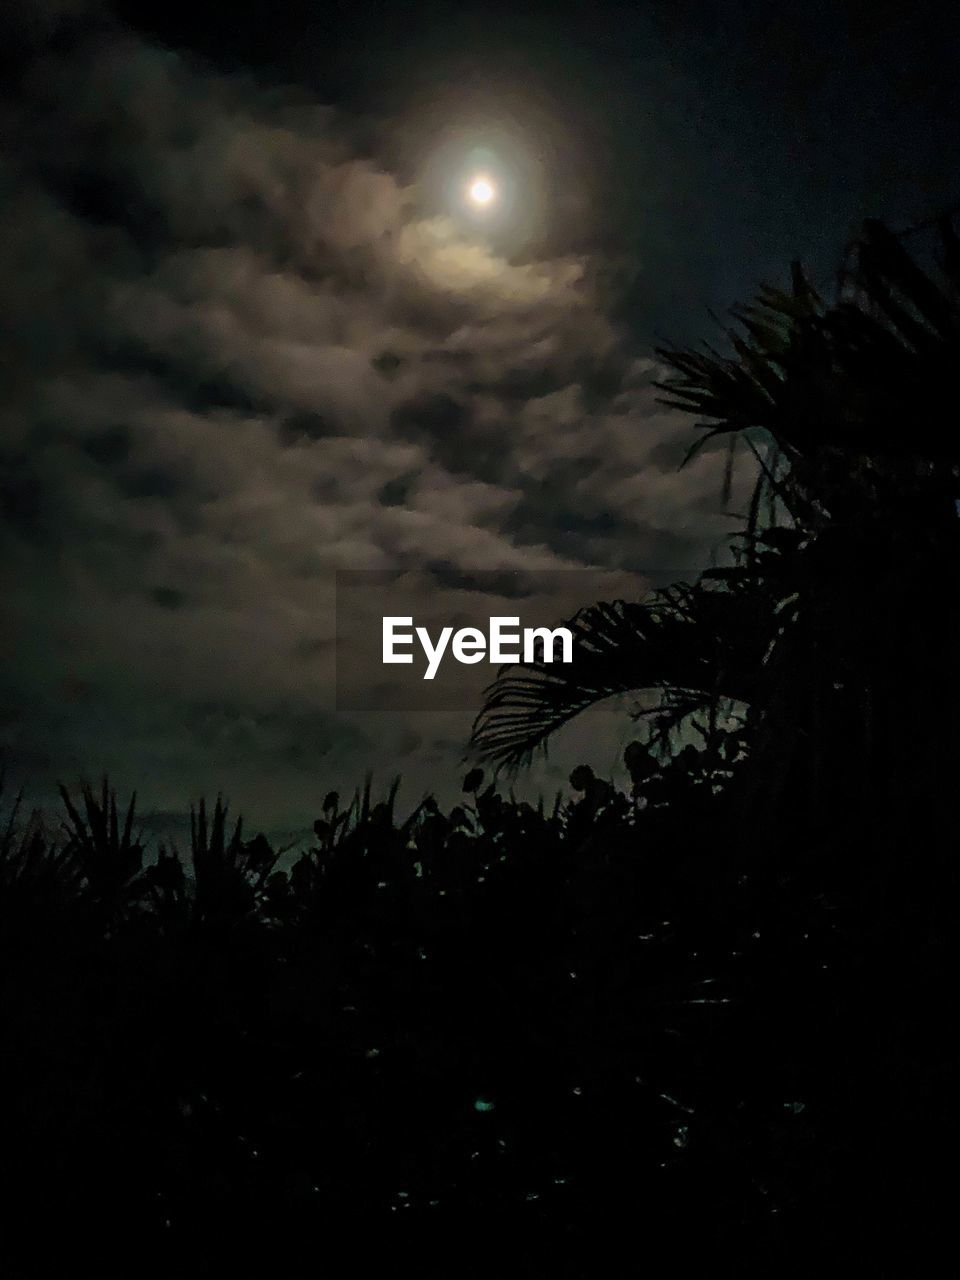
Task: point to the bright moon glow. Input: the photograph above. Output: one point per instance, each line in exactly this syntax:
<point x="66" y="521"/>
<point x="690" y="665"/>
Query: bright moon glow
<point x="481" y="191"/>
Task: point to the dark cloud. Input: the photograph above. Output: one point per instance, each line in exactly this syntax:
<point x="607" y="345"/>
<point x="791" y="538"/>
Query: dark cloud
<point x="168" y="597"/>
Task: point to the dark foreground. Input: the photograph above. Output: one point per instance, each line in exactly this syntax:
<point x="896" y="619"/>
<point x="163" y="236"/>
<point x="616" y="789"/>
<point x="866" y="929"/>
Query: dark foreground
<point x="585" y="1043"/>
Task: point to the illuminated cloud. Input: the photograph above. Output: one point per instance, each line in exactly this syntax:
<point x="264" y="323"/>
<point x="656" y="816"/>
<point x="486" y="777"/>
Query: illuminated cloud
<point x="248" y="356"/>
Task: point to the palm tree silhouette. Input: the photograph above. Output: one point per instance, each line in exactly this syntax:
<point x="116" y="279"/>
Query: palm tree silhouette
<point x="834" y="627"/>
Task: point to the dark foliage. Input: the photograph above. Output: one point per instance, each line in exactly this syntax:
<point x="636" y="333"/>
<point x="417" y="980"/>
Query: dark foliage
<point x="851" y="537"/>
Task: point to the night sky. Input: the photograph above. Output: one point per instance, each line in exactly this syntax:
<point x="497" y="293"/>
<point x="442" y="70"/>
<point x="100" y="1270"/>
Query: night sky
<point x="252" y="335"/>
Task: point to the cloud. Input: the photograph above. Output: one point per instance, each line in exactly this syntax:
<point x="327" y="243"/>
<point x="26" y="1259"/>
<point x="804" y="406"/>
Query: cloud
<point x="244" y="356"/>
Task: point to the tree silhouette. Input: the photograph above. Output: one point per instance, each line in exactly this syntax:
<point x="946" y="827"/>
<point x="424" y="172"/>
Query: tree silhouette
<point x="839" y="581"/>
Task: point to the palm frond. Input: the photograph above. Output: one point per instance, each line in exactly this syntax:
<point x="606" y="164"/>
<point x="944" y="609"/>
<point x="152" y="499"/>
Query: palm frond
<point x="676" y="645"/>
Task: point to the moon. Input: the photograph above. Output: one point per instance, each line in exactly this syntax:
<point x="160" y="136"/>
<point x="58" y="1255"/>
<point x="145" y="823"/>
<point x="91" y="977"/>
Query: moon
<point x="481" y="190"/>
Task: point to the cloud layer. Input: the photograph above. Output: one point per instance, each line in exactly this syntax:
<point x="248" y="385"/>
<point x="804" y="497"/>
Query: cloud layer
<point x="242" y="356"/>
